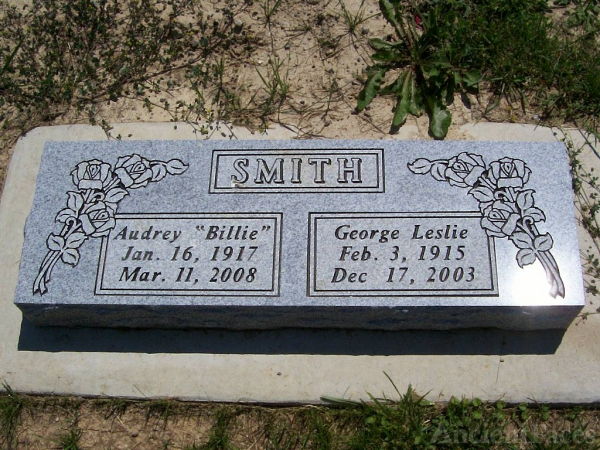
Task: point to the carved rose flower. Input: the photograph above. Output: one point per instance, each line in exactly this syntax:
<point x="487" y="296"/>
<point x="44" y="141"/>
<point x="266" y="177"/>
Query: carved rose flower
<point x="500" y="219"/>
<point x="92" y="174"/>
<point x="508" y="172"/>
<point x="133" y="171"/>
<point x="97" y="220"/>
<point x="465" y="169"/>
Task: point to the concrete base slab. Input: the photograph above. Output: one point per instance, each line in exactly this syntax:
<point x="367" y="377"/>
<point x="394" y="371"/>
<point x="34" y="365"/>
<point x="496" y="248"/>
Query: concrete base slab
<point x="282" y="366"/>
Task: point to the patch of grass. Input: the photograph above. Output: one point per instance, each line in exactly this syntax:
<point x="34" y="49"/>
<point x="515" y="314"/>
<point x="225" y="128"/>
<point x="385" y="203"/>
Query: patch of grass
<point x="353" y="20"/>
<point x="412" y="422"/>
<point x="219" y="437"/>
<point x="275" y="83"/>
<point x="113" y="407"/>
<point x="269" y="8"/>
<point x="397" y="424"/>
<point x="583" y="14"/>
<point x="59" y="57"/>
<point x="472" y="423"/>
<point x="586" y="187"/>
<point x="159" y="408"/>
<point x="443" y="46"/>
<point x="11" y="406"/>
<point x="70" y="440"/>
<point x="402" y="421"/>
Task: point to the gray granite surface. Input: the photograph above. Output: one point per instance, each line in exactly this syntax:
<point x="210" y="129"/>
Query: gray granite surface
<point x="271" y="234"/>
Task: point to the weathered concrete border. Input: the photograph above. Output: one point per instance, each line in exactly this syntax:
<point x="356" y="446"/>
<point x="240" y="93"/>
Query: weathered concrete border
<point x="280" y="366"/>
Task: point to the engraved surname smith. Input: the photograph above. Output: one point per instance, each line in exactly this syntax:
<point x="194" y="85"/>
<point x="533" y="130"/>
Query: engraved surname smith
<point x="348" y="170"/>
<point x="319" y="170"/>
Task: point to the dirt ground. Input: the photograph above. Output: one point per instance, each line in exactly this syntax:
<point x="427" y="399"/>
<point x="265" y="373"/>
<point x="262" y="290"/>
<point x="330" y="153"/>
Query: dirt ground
<point x="53" y="423"/>
<point x="321" y="63"/>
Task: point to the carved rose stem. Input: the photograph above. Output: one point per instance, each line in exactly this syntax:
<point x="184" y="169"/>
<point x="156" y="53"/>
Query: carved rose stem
<point x="39" y="285"/>
<point x="552" y="271"/>
<point x="547" y="261"/>
<point x="545" y="257"/>
<point x="52" y="257"/>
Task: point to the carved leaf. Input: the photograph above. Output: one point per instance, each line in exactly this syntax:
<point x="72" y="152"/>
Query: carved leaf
<point x="176" y="167"/>
<point x="55" y="243"/>
<point x="483" y="194"/>
<point x="75" y="240"/>
<point x="159" y="171"/>
<point x="525" y="257"/>
<point x="521" y="240"/>
<point x="525" y="199"/>
<point x="543" y="243"/>
<point x="74" y="201"/>
<point x="536" y="214"/>
<point x="70" y="256"/>
<point x="438" y="171"/>
<point x="115" y="195"/>
<point x="421" y="166"/>
<point x="65" y="214"/>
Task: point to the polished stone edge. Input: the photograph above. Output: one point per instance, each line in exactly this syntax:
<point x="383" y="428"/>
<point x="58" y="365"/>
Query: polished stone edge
<point x="269" y="317"/>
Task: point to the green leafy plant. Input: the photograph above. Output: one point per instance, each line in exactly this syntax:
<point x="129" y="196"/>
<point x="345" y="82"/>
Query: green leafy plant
<point x="429" y="68"/>
<point x="584" y="13"/>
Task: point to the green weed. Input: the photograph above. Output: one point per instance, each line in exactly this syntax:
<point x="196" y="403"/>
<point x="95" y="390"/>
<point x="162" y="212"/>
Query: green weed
<point x="58" y="57"/>
<point x="159" y="408"/>
<point x="397" y="424"/>
<point x="113" y="407"/>
<point x="472" y="423"/>
<point x="584" y="14"/>
<point x="219" y="438"/>
<point x="586" y="186"/>
<point x="269" y="8"/>
<point x="70" y="440"/>
<point x="275" y="83"/>
<point x="11" y="406"/>
<point x="445" y="46"/>
<point x="430" y="67"/>
<point x="356" y="19"/>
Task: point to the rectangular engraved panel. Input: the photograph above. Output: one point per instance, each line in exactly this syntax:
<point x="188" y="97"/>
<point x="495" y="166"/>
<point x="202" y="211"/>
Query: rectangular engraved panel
<point x="299" y="171"/>
<point x="400" y="254"/>
<point x="225" y="254"/>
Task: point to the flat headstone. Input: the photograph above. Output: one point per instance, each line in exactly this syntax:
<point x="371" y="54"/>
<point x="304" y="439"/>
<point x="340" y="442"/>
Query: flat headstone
<point x="269" y="234"/>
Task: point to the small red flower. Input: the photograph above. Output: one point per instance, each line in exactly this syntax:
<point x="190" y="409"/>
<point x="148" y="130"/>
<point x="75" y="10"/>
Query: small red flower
<point x="418" y="21"/>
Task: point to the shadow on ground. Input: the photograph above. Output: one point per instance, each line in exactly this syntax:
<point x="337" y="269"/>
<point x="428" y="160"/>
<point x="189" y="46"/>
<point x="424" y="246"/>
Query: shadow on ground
<point x="289" y="341"/>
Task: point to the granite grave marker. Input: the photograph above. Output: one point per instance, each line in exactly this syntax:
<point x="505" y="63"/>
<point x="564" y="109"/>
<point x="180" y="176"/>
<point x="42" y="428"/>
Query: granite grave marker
<point x="268" y="234"/>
